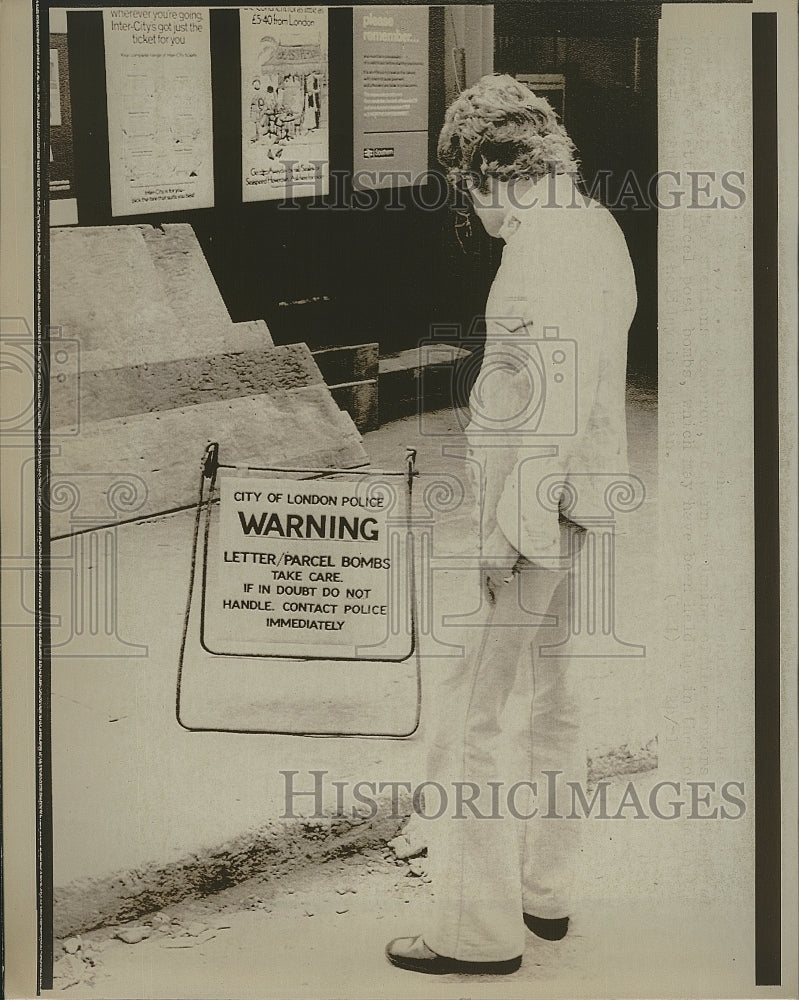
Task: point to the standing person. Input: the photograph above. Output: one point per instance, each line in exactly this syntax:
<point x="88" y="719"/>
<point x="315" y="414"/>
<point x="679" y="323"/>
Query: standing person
<point x="546" y="413"/>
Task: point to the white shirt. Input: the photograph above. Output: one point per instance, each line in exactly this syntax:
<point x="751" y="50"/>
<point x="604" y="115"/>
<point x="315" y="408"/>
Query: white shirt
<point x="550" y="397"/>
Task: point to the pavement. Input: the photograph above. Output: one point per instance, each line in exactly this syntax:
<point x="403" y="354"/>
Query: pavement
<point x="146" y="813"/>
<point x="641" y="930"/>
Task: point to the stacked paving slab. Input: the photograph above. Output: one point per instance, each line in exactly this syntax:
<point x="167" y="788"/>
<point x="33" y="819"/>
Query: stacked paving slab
<point x="147" y="368"/>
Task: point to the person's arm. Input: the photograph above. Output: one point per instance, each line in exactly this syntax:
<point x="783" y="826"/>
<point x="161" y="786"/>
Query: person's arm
<point x="552" y="362"/>
<point x="499" y="396"/>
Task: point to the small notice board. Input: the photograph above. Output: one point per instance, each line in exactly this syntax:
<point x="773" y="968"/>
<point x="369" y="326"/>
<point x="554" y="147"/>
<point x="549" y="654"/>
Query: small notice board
<point x="311" y="567"/>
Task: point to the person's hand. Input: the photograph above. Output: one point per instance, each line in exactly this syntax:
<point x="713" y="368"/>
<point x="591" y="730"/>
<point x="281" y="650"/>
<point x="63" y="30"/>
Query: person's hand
<point x="495" y="580"/>
<point x="497" y="564"/>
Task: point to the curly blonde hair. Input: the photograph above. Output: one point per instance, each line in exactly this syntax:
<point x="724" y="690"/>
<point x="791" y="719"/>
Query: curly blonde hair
<point x="500" y="128"/>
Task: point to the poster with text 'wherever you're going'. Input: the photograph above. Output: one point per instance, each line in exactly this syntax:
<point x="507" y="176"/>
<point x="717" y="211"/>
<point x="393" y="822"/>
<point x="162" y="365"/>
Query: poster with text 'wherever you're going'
<point x="160" y="150"/>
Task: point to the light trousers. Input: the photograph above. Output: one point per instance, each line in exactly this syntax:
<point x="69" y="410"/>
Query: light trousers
<point x="489" y="864"/>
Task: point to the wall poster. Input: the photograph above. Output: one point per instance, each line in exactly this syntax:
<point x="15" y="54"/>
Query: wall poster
<point x="390" y="50"/>
<point x="284" y="93"/>
<point x="160" y="151"/>
<point x="61" y="159"/>
<point x="55" y="89"/>
<point x="61" y="170"/>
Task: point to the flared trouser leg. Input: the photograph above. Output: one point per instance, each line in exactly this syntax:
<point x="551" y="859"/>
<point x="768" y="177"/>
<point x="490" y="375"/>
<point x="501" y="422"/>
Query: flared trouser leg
<point x="551" y="840"/>
<point x="481" y="882"/>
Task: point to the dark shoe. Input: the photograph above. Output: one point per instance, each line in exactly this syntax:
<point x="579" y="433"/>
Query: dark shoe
<point x="413" y="954"/>
<point x="549" y="930"/>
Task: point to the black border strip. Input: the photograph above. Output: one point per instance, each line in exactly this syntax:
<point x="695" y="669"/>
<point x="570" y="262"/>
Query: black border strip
<point x="41" y="334"/>
<point x="765" y="290"/>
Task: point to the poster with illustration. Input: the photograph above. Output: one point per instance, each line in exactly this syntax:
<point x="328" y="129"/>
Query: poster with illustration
<point x="284" y="87"/>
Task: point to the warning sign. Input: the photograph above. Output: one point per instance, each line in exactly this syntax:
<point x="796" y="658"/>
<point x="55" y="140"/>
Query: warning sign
<point x="307" y="568"/>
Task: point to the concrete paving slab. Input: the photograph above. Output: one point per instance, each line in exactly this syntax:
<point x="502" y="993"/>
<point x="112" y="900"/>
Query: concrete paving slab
<point x="184" y="276"/>
<point x="160" y="454"/>
<point x="170" y="385"/>
<point x="97" y="279"/>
